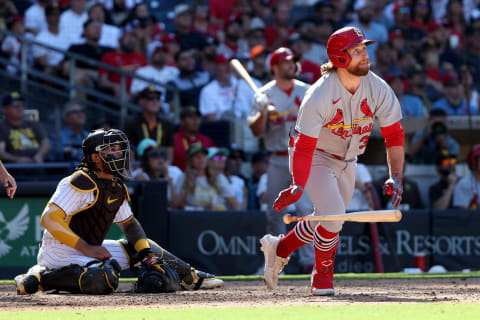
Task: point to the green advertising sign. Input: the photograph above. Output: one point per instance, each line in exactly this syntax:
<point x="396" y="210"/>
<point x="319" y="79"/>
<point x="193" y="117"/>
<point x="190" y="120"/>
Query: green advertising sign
<point x="21" y="231"/>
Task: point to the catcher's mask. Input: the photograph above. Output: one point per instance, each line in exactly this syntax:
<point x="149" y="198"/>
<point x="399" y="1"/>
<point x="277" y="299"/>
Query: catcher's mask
<point x="113" y="148"/>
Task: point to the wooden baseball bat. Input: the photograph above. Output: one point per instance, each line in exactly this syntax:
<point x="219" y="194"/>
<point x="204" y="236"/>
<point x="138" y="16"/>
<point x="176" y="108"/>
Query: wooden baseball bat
<point x="243" y="73"/>
<point x="360" y="216"/>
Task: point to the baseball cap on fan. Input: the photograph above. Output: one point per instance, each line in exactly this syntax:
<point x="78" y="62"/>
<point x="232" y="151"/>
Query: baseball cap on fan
<point x="180" y="9"/>
<point x="12" y="99"/>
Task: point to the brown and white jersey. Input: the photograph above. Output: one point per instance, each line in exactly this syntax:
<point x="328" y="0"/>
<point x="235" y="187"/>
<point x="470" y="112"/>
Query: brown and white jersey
<point x="343" y="121"/>
<point x="287" y="105"/>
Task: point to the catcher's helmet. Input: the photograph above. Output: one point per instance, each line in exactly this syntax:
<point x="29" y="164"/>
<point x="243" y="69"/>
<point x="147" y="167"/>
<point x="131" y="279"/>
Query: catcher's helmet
<point x="279" y="55"/>
<point x="117" y="156"/>
<point x="342" y="40"/>
<point x="472" y="157"/>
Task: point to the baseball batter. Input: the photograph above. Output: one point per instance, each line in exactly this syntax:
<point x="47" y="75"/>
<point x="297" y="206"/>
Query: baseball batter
<point x="285" y="94"/>
<point x="74" y="255"/>
<point x="334" y="123"/>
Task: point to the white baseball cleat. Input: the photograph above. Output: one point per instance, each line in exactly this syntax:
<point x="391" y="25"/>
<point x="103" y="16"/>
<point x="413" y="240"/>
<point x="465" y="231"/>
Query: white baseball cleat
<point x="322" y="284"/>
<point x="273" y="263"/>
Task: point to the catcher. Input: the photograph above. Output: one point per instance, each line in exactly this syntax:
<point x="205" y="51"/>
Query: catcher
<point x="74" y="255"/>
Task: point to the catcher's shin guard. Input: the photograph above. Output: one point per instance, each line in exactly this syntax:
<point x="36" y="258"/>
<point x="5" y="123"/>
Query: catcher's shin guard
<point x="99" y="279"/>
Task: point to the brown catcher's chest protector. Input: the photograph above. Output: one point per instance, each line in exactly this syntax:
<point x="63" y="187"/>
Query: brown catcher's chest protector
<point x="93" y="222"/>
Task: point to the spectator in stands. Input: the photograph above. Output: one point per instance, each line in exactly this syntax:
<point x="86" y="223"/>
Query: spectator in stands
<point x="200" y="188"/>
<point x="217" y="165"/>
<point x="72" y="20"/>
<point x="233" y="173"/>
<point x="110" y="34"/>
<point x="472" y="52"/>
<point x="190" y="119"/>
<point x="206" y="58"/>
<point x="187" y="38"/>
<point x="35" y="19"/>
<point x="429" y="141"/>
<point x="86" y="74"/>
<point x="385" y="59"/>
<point x="259" y="169"/>
<point x="364" y="194"/>
<point x="72" y="134"/>
<point x="11" y="46"/>
<point x="258" y="56"/>
<point x="118" y="9"/>
<point x="154" y="166"/>
<point x="233" y="45"/>
<point x="313" y="51"/>
<point x="202" y="21"/>
<point x="144" y="26"/>
<point x="418" y="84"/>
<point x="277" y="33"/>
<point x="126" y="58"/>
<point x="156" y="70"/>
<point x="7" y="10"/>
<point x="45" y="59"/>
<point x="21" y="141"/>
<point x="467" y="190"/>
<point x="411" y="198"/>
<point x="225" y="97"/>
<point x="309" y="71"/>
<point x="171" y="48"/>
<point x="372" y="30"/>
<point x="441" y="192"/>
<point x="454" y="103"/>
<point x="412" y="107"/>
<point x="190" y="82"/>
<point x="149" y="123"/>
<point x="256" y="33"/>
<point x="421" y="15"/>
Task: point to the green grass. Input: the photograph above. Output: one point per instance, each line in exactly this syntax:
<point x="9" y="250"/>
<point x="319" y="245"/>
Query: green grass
<point x="432" y="311"/>
<point x="338" y="276"/>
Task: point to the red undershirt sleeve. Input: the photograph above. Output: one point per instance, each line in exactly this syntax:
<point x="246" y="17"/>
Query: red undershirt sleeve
<point x="302" y="159"/>
<point x="393" y="135"/>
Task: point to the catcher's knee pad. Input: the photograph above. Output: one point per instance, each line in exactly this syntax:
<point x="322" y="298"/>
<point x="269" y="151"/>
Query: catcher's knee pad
<point x="99" y="279"/>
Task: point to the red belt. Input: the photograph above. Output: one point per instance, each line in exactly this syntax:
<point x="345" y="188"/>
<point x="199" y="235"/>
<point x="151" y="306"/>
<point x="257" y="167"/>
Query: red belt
<point x="331" y="154"/>
<point x="281" y="153"/>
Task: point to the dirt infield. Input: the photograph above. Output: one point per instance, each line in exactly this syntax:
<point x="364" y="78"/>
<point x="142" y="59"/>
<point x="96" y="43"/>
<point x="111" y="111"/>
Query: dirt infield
<point x="253" y="293"/>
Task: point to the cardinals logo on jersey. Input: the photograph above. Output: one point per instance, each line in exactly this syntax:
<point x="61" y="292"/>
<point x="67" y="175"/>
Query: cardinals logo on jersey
<point x="365" y="108"/>
<point x="298" y="102"/>
<point x="13" y="229"/>
<point x="336" y="121"/>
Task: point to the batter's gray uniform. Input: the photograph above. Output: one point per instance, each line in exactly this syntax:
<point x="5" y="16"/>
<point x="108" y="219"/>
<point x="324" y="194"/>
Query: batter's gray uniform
<point x="276" y="141"/>
<point x="342" y="122"/>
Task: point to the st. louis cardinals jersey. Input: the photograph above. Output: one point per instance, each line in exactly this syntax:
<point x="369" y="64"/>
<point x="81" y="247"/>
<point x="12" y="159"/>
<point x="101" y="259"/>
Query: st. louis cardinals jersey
<point x="276" y="135"/>
<point x="343" y="121"/>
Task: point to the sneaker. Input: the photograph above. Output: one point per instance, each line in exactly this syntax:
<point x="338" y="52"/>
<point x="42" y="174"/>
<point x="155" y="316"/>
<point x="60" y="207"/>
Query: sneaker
<point x="202" y="280"/>
<point x="29" y="282"/>
<point x="322" y="284"/>
<point x="273" y="263"/>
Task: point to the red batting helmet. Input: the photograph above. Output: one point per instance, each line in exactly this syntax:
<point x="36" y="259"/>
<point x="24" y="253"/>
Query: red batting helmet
<point x="279" y="55"/>
<point x="342" y="40"/>
<point x="472" y="157"/>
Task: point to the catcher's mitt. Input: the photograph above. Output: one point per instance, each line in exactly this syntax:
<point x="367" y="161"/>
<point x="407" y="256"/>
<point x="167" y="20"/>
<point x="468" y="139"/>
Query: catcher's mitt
<point x="155" y="276"/>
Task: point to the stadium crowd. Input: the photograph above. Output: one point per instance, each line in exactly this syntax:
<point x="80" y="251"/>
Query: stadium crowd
<point x="427" y="50"/>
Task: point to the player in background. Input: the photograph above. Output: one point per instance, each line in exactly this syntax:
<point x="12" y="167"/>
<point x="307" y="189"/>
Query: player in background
<point x="285" y="93"/>
<point x="74" y="255"/>
<point x="8" y="181"/>
<point x="334" y="123"/>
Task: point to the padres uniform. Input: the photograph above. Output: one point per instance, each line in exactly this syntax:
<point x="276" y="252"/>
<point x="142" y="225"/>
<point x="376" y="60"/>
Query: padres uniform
<point x="75" y="195"/>
<point x="343" y="122"/>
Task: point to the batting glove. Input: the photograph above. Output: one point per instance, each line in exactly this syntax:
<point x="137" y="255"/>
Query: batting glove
<point x="287" y="196"/>
<point x="262" y="101"/>
<point x="393" y="186"/>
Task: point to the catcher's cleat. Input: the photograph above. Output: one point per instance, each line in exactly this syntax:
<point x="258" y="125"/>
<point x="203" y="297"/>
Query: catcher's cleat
<point x="322" y="284"/>
<point x="273" y="263"/>
<point x="29" y="282"/>
<point x="202" y="280"/>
